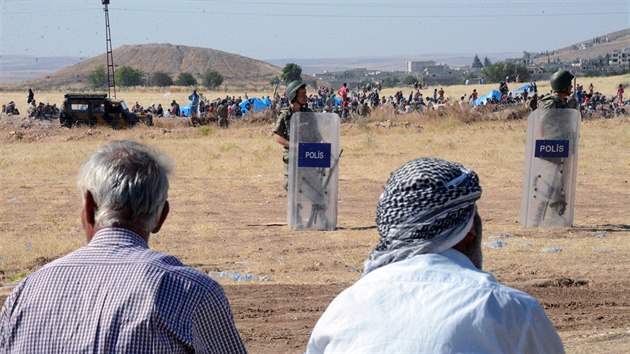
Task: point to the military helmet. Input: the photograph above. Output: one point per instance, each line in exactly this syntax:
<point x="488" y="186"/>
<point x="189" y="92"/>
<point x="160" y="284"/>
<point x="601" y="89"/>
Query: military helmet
<point x="561" y="80"/>
<point x="293" y="88"/>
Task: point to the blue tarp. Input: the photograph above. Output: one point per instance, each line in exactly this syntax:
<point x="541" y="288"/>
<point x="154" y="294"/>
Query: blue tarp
<point x="257" y="105"/>
<point x="527" y="87"/>
<point x="184" y="110"/>
<point x="483" y="99"/>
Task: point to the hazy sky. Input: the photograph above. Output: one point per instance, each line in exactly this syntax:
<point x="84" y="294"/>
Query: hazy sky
<point x="274" y="29"/>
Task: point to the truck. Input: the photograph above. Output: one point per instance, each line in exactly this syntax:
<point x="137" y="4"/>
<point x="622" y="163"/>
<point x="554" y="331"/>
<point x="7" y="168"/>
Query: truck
<point x="96" y="109"/>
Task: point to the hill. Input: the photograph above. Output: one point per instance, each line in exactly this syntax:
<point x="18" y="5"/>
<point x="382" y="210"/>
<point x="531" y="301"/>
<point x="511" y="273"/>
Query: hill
<point x="592" y="48"/>
<point x="237" y="71"/>
<point x="589" y="49"/>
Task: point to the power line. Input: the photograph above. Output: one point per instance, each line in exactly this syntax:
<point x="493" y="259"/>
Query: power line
<point x="337" y="15"/>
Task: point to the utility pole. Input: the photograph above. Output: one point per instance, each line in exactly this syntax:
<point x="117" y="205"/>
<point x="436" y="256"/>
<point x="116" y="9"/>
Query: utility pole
<point x="111" y="81"/>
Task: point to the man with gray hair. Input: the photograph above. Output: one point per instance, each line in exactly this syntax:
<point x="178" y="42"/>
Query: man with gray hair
<point x="115" y="294"/>
<point x="423" y="290"/>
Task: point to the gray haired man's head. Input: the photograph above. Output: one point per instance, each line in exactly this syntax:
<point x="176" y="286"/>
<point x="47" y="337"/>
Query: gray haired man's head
<point x="428" y="206"/>
<point x="129" y="184"/>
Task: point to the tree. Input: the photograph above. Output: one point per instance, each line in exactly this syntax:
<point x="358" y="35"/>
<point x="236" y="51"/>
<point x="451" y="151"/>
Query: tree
<point x="291" y="72"/>
<point x="477" y="63"/>
<point x="161" y="79"/>
<point x="410" y="80"/>
<point x="128" y="76"/>
<point x="498" y="71"/>
<point x="390" y="82"/>
<point x="212" y="79"/>
<point x="97" y="77"/>
<point x="186" y="79"/>
<point x="486" y="61"/>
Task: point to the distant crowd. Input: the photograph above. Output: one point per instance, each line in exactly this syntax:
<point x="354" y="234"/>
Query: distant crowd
<point x="360" y="101"/>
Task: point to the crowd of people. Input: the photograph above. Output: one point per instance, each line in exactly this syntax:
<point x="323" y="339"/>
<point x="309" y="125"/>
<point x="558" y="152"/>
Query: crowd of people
<point x="34" y="110"/>
<point x="346" y="102"/>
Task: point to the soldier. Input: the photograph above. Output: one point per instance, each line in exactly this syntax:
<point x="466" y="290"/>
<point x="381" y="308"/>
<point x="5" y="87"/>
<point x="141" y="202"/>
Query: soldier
<point x="553" y="186"/>
<point x="296" y="94"/>
<point x="222" y="114"/>
<point x="562" y="88"/>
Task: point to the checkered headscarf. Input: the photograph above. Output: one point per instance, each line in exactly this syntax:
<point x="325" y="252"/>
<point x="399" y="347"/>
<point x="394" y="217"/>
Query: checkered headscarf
<point x="428" y="206"/>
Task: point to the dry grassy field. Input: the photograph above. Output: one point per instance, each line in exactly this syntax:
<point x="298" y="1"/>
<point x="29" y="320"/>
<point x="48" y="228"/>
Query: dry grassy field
<point x="228" y="214"/>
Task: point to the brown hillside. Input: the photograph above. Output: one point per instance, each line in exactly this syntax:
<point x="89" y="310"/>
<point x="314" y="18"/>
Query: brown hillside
<point x="237" y="71"/>
<point x="594" y="48"/>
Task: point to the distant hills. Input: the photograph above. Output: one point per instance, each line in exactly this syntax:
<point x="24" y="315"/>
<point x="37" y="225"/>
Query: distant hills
<point x="17" y="68"/>
<point x="591" y="48"/>
<point x="240" y="71"/>
<point x="172" y="59"/>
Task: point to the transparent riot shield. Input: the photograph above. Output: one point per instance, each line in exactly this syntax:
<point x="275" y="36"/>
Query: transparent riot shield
<point x="551" y="154"/>
<point x="313" y="171"/>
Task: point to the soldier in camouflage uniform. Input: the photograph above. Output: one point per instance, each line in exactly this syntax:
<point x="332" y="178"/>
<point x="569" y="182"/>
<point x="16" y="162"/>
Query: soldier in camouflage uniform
<point x="296" y="94"/>
<point x="222" y="114"/>
<point x="562" y="88"/>
<point x="551" y="127"/>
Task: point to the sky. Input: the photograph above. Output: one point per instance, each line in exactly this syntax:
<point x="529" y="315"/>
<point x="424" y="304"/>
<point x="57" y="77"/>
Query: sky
<point x="308" y="29"/>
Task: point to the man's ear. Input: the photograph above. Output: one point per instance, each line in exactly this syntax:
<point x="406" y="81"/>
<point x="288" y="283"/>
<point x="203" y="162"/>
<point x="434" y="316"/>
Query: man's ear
<point x="471" y="238"/>
<point x="163" y="216"/>
<point x="468" y="242"/>
<point x="88" y="215"/>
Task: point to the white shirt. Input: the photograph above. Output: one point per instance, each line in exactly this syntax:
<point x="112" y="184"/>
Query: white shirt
<point x="433" y="303"/>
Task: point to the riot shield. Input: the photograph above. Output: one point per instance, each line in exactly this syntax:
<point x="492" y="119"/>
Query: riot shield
<point x="551" y="154"/>
<point x="313" y="171"/>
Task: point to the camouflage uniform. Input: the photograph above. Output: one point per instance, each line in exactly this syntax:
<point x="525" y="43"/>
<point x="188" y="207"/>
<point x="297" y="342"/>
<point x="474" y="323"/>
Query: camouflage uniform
<point x="222" y="115"/>
<point x="283" y="128"/>
<point x="553" y="101"/>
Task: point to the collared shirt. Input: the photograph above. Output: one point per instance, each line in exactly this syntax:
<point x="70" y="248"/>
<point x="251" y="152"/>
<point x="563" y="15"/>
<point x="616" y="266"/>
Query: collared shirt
<point x="117" y="295"/>
<point x="433" y="303"/>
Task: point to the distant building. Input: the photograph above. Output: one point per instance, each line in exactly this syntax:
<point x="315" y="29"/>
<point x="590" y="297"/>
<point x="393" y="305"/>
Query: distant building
<point x="419" y="66"/>
<point x="619" y="58"/>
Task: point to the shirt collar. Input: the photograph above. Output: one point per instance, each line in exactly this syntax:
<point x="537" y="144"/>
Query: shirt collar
<point x="117" y="236"/>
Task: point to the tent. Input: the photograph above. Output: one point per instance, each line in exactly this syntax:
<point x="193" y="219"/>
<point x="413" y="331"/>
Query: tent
<point x="483" y="99"/>
<point x="256" y="105"/>
<point x="527" y="87"/>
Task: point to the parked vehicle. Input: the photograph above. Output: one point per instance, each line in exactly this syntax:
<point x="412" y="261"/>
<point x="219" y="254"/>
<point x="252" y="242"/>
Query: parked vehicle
<point x="99" y="110"/>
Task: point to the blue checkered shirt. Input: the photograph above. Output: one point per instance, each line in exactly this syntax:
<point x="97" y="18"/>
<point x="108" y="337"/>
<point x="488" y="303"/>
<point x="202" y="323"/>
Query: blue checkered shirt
<point x="116" y="295"/>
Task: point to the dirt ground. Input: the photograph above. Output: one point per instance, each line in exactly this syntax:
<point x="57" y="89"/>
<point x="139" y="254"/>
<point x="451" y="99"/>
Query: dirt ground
<point x="585" y="288"/>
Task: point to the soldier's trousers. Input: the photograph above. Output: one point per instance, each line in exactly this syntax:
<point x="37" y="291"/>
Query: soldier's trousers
<point x="285" y="159"/>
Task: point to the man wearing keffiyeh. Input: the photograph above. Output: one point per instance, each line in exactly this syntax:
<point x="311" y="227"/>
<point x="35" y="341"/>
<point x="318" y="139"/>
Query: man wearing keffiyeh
<point x="423" y="290"/>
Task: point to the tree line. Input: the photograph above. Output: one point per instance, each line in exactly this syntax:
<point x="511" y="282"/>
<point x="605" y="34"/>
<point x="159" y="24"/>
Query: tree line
<point x="127" y="76"/>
